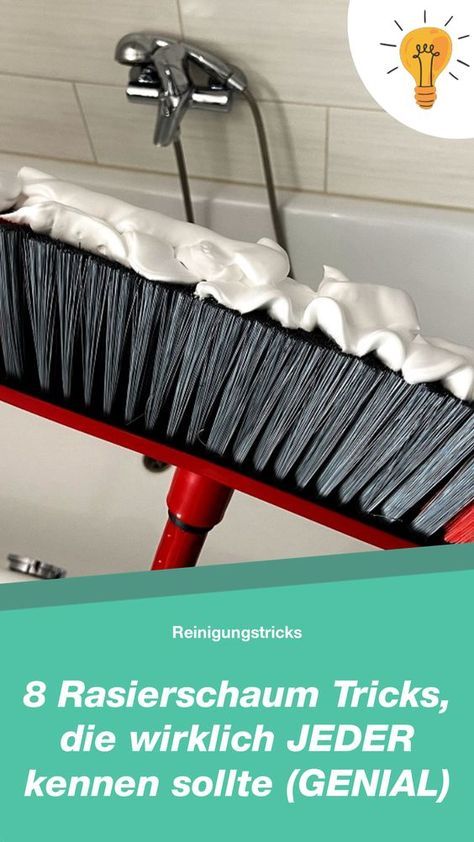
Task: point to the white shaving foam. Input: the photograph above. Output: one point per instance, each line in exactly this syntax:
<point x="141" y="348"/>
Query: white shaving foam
<point x="360" y="318"/>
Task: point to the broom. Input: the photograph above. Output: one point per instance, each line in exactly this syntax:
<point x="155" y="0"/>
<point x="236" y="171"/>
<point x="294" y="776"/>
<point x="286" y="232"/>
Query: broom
<point x="278" y="403"/>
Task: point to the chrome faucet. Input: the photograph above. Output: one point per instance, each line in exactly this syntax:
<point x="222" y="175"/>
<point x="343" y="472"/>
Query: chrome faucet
<point x="161" y="74"/>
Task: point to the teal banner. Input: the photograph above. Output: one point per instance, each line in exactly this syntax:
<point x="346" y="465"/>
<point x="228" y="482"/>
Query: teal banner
<point x="307" y="698"/>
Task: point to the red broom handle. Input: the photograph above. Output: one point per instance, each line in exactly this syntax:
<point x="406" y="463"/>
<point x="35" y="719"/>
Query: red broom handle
<point x="195" y="505"/>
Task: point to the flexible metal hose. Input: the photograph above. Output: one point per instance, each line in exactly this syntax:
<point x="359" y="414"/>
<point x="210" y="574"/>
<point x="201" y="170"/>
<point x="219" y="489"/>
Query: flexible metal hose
<point x="183" y="178"/>
<point x="267" y="170"/>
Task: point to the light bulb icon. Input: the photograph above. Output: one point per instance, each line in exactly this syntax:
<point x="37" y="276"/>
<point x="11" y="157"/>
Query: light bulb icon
<point x="393" y="43"/>
<point x="425" y="53"/>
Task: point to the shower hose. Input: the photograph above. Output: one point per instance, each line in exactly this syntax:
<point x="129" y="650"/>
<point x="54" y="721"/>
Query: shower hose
<point x="267" y="170"/>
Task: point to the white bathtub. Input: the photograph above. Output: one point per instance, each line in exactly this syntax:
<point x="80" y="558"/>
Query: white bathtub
<point x="92" y="507"/>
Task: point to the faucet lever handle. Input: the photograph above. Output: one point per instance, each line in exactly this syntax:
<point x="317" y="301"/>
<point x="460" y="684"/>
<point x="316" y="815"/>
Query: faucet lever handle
<point x="171" y="67"/>
<point x="142" y="48"/>
<point x="139" y="47"/>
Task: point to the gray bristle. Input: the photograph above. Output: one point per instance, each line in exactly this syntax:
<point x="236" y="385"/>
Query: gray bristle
<point x="387" y="401"/>
<point x="93" y="307"/>
<point x="175" y="324"/>
<point x="119" y="304"/>
<point x="277" y="403"/>
<point x="433" y="471"/>
<point x="344" y="407"/>
<point x="226" y="333"/>
<point x="69" y="272"/>
<point x="199" y="341"/>
<point x="294" y="394"/>
<point x="144" y="320"/>
<point x="449" y="414"/>
<point x="271" y="375"/>
<point x="313" y="414"/>
<point x="453" y="498"/>
<point x="11" y="341"/>
<point x="40" y="290"/>
<point x="250" y="354"/>
<point x="388" y="442"/>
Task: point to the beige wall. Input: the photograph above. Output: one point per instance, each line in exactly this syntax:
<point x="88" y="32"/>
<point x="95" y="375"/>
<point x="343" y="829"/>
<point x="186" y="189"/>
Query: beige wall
<point x="63" y="96"/>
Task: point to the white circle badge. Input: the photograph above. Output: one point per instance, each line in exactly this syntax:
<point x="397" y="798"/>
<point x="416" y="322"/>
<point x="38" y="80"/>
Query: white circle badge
<point x="417" y="61"/>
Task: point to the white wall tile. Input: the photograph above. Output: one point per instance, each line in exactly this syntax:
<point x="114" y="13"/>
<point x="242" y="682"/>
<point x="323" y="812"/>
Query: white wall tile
<point x="75" y="39"/>
<point x="372" y="155"/>
<point x="122" y="133"/>
<point x="216" y="146"/>
<point x="295" y="54"/>
<point x="294" y="51"/>
<point x="41" y="117"/>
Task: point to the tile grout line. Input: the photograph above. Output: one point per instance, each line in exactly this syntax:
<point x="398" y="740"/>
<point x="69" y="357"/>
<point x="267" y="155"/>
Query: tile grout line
<point x="85" y="123"/>
<point x="294" y="190"/>
<point x="299" y="103"/>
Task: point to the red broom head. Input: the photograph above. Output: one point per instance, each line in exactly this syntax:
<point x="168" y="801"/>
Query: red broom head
<point x="461" y="529"/>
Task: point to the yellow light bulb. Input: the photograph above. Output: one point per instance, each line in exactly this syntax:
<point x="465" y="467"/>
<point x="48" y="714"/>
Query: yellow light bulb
<point x="425" y="53"/>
